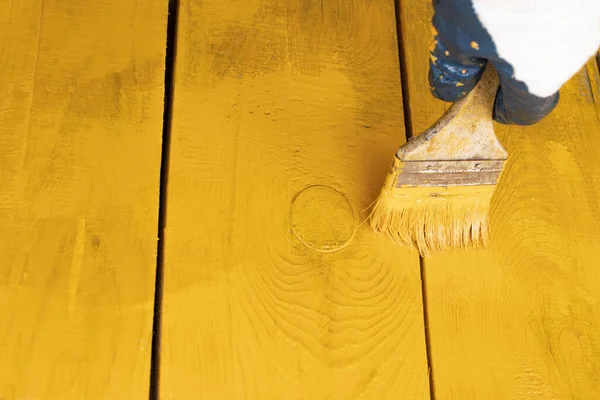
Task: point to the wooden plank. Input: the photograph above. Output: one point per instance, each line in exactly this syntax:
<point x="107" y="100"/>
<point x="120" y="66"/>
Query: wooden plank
<point x="286" y="116"/>
<point x="521" y="320"/>
<point x="81" y="102"/>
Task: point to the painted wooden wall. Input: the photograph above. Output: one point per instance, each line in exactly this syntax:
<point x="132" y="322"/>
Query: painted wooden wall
<point x="285" y="117"/>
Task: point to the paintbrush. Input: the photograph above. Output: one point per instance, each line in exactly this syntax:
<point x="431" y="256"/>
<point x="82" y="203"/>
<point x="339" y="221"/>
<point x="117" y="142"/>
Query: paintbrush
<point x="438" y="191"/>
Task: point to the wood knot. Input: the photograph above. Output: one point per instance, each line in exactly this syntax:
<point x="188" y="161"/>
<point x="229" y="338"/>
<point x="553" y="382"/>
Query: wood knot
<point x="322" y="219"/>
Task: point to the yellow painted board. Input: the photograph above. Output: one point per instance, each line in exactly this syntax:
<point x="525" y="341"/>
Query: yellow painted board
<point x="286" y="117"/>
<point x="81" y="103"/>
<point x="520" y="320"/>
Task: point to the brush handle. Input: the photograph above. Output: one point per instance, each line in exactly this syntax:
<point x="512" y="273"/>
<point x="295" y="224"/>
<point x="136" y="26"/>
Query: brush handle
<point x="464" y="132"/>
<point x="483" y="96"/>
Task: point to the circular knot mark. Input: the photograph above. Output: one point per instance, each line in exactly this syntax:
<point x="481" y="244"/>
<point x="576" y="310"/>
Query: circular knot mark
<point x="322" y="219"/>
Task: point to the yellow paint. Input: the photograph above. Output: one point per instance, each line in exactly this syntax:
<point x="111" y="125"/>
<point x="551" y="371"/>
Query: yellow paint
<point x="521" y="319"/>
<point x="459" y="84"/>
<point x="433" y="45"/>
<point x="77" y="263"/>
<point x="81" y="89"/>
<point x="447" y="53"/>
<point x="285" y="115"/>
<point x="475" y="45"/>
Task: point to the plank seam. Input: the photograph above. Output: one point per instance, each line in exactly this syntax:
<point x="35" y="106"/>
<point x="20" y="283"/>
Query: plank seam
<point x="426" y="327"/>
<point x="409" y="134"/>
<point x="170" y="55"/>
<point x="403" y="73"/>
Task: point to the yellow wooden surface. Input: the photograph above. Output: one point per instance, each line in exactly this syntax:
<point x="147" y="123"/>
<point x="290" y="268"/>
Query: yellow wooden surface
<point x="522" y="319"/>
<point x="81" y="93"/>
<point x="285" y="113"/>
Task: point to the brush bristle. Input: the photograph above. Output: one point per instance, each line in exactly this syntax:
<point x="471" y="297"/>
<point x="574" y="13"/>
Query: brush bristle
<point x="433" y="219"/>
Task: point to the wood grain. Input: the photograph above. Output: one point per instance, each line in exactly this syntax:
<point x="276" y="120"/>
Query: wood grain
<point x="521" y="320"/>
<point x="81" y="93"/>
<point x="286" y="117"/>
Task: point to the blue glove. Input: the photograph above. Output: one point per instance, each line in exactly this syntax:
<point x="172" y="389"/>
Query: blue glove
<point x="532" y="45"/>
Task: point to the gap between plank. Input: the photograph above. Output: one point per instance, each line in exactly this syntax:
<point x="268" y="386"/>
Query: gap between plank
<point x="409" y="134"/>
<point x="171" y="44"/>
<point x="403" y="73"/>
<point x="426" y="325"/>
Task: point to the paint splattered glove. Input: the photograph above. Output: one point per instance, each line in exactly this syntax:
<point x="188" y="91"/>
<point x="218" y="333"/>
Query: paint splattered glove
<point x="535" y="45"/>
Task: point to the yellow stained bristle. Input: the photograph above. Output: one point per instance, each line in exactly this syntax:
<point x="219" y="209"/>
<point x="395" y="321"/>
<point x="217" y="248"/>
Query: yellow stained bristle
<point x="433" y="219"/>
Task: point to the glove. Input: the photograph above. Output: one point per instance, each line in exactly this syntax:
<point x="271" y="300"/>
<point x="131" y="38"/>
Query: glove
<point x="535" y="45"/>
